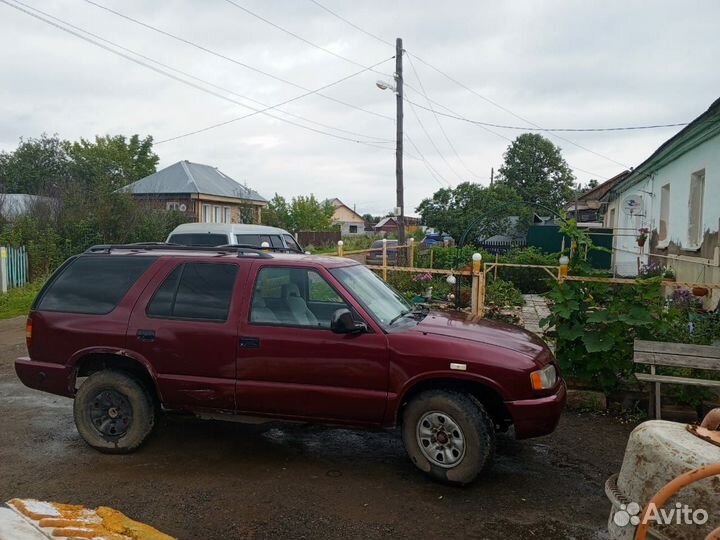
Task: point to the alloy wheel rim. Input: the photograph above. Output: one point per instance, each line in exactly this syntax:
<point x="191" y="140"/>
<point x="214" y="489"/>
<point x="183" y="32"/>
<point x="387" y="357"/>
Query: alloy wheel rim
<point x="441" y="439"/>
<point x="110" y="413"/>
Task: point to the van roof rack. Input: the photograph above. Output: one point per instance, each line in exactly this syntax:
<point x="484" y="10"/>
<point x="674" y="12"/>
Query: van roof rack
<point x="241" y="251"/>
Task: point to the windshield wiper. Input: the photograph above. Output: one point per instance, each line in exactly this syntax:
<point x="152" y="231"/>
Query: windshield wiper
<point x="400" y="316"/>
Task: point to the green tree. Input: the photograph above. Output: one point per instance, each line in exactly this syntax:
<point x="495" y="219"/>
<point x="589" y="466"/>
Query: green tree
<point x="301" y="214"/>
<point x="535" y="169"/>
<point x="453" y="210"/>
<point x="37" y="166"/>
<point x="113" y="161"/>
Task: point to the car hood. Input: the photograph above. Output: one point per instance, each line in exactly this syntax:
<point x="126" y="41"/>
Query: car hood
<point x="498" y="334"/>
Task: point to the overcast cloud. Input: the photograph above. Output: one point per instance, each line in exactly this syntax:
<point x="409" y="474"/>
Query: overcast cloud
<point x="558" y="64"/>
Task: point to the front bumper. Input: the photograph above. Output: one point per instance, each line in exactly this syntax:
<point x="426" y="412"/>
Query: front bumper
<point x="52" y="378"/>
<point x="536" y="417"/>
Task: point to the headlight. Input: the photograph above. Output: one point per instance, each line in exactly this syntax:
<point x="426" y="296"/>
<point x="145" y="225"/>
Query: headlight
<point x="544" y="378"/>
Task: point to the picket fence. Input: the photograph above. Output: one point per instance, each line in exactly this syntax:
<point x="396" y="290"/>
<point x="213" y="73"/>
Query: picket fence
<point x="14" y="269"/>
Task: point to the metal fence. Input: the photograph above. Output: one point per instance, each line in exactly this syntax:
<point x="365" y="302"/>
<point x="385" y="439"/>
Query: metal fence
<point x="501" y="247"/>
<point x="13" y="267"/>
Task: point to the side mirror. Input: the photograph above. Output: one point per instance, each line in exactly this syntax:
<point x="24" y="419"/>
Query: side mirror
<point x="342" y="322"/>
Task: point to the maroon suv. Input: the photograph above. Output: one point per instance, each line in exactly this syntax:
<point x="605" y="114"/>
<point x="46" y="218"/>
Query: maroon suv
<point x="241" y="334"/>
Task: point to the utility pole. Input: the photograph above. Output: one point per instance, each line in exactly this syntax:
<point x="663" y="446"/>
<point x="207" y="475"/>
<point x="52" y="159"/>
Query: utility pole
<point x="399" y="142"/>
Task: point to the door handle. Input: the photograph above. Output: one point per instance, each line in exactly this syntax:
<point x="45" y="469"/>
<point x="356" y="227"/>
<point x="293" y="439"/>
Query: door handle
<point x="249" y="342"/>
<point x="145" y="335"/>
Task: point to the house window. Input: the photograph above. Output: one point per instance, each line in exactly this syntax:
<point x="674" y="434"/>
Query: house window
<point x="664" y="213"/>
<point x="206" y="216"/>
<point x="216" y="214"/>
<point x="226" y="214"/>
<point x="172" y="205"/>
<point x="697" y="189"/>
<point x="611" y="221"/>
<point x="353" y="229"/>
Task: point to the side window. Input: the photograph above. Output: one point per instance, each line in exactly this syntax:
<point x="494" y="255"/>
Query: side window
<point x="293" y="297"/>
<point x="201" y="291"/>
<point x="320" y="290"/>
<point x="291" y="243"/>
<point x="93" y="284"/>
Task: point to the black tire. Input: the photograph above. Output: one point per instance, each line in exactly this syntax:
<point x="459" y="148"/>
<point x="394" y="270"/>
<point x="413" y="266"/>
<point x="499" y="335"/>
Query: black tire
<point x="134" y="414"/>
<point x="476" y="430"/>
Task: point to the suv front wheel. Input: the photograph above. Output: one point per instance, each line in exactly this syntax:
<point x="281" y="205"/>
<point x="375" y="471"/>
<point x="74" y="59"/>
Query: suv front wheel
<point x="113" y="412"/>
<point x="448" y="435"/>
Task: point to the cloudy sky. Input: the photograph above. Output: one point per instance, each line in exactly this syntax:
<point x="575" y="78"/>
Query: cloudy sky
<point x="553" y="64"/>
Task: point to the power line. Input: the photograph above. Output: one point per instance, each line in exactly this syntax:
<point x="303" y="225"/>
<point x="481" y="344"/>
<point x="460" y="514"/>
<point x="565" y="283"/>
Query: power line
<point x="355" y="26"/>
<point x="189" y="75"/>
<point x="517" y="115"/>
<point x="171" y="76"/>
<point x="433" y="171"/>
<point x="432" y="143"/>
<point x="304" y="40"/>
<point x="232" y="60"/>
<point x="508" y="139"/>
<point x="473" y="91"/>
<point x="442" y="129"/>
<point x="524" y="128"/>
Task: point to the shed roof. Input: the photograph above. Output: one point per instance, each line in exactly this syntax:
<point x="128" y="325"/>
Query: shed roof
<point x="188" y="177"/>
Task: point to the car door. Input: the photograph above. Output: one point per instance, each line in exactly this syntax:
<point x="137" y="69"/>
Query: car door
<point x="290" y="363"/>
<point x="185" y="324"/>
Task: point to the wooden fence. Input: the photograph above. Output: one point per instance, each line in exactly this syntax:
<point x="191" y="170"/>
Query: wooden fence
<point x="13" y="267"/>
<point x="318" y="238"/>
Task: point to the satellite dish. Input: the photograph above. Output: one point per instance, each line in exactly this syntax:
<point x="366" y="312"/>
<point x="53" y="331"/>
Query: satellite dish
<point x="632" y="204"/>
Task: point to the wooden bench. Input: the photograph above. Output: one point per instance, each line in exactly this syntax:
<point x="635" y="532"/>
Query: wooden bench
<point x="657" y="353"/>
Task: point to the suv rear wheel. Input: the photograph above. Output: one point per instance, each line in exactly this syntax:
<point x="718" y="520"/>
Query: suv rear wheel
<point x="448" y="435"/>
<point x="113" y="412"/>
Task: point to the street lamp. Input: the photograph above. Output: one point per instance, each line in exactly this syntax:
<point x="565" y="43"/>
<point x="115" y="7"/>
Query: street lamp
<point x="382" y="85"/>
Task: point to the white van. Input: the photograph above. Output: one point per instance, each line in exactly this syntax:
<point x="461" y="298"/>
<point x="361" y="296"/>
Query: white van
<point x="221" y="234"/>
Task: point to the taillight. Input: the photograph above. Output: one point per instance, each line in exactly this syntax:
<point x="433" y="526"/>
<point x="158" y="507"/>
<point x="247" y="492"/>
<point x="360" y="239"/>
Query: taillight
<point x="28" y="333"/>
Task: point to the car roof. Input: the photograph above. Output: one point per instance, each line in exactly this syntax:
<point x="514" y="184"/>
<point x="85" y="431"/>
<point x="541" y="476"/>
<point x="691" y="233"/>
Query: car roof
<point x="230" y="253"/>
<point x="226" y="228"/>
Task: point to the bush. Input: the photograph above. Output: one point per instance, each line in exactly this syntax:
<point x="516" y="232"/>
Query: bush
<point x="528" y="280"/>
<point x="503" y="293"/>
<point x="595" y="325"/>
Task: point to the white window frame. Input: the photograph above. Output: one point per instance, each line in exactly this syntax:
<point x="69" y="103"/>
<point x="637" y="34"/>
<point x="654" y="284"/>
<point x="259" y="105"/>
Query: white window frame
<point x="664" y="217"/>
<point x="206" y="214"/>
<point x="696" y="199"/>
<point x="227" y="215"/>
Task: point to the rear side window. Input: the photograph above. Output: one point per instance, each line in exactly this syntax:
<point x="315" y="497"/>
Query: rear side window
<point x="93" y="284"/>
<point x="256" y="240"/>
<point x="199" y="239"/>
<point x="201" y="291"/>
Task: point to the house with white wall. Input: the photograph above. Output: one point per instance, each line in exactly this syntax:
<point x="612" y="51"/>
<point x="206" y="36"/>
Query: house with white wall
<point x="351" y="223"/>
<point x="675" y="193"/>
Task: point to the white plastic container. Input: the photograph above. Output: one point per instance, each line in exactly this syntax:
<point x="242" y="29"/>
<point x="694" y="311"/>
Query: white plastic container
<point x="657" y="452"/>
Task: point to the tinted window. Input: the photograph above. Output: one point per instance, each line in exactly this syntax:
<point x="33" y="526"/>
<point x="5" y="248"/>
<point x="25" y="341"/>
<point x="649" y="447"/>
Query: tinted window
<point x="256" y="240"/>
<point x="195" y="291"/>
<point x="93" y="284"/>
<point x="199" y="239"/>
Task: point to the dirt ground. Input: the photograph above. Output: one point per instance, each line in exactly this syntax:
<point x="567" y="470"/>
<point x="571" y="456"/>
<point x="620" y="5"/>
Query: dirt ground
<point x="211" y="480"/>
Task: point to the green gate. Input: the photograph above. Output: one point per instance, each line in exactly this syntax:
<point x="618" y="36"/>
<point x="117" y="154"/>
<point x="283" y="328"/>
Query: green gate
<point x="15" y="267"/>
<point x="549" y="239"/>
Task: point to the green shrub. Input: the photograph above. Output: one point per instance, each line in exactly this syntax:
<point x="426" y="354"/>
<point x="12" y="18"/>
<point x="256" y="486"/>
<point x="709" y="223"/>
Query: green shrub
<point x="503" y="293"/>
<point x="528" y="280"/>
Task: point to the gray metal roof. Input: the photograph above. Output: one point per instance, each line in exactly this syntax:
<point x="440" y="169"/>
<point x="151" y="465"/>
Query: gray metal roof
<point x="187" y="177"/>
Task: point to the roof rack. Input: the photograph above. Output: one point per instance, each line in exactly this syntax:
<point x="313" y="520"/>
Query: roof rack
<point x="241" y="251"/>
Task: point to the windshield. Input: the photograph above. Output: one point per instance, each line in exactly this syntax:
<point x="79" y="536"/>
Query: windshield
<point x="383" y="302"/>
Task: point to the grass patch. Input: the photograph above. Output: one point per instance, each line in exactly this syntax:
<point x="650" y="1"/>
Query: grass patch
<point x="18" y="301"/>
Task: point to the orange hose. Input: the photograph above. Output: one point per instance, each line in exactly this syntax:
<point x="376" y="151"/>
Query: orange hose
<point x="672" y="487"/>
